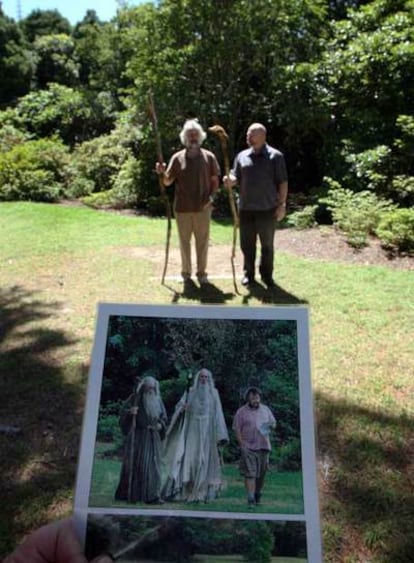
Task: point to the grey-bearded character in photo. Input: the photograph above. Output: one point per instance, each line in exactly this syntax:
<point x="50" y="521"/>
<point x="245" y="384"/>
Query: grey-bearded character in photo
<point x="252" y="425"/>
<point x="144" y="422"/>
<point x="195" y="172"/>
<point x="191" y="457"/>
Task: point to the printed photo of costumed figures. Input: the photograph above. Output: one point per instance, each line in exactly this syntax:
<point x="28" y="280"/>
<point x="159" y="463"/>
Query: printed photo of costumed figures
<point x="200" y="415"/>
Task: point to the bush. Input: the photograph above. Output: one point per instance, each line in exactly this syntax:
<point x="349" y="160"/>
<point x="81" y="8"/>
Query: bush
<point x="126" y="190"/>
<point x="108" y="423"/>
<point x="258" y="543"/>
<point x="96" y="164"/>
<point x="34" y="170"/>
<point x="356" y="214"/>
<point x="396" y="230"/>
<point x="10" y="136"/>
<point x="403" y="189"/>
<point x="303" y="219"/>
<point x="99" y="200"/>
<point x="371" y="168"/>
<point x="288" y="456"/>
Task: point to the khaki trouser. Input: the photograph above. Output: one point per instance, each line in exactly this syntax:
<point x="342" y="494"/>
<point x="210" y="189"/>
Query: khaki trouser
<point x="199" y="225"/>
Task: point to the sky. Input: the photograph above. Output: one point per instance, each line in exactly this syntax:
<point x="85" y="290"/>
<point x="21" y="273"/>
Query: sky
<point x="73" y="10"/>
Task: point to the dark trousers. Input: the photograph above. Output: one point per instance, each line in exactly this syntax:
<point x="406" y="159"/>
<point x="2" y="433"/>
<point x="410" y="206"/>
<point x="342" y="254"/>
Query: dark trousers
<point x="255" y="224"/>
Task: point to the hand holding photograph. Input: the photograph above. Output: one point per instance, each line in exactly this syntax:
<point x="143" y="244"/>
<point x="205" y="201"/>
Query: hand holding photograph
<point x="198" y="436"/>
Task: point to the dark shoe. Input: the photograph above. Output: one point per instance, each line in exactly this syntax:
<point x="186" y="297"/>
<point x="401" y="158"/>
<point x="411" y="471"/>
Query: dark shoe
<point x="257" y="498"/>
<point x="188" y="284"/>
<point x="251" y="504"/>
<point x="247" y="280"/>
<point x="203" y="279"/>
<point x="269" y="283"/>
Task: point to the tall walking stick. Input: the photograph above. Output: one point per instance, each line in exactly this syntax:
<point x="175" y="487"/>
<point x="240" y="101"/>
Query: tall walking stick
<point x="132" y="448"/>
<point x="223" y="138"/>
<point x="160" y="159"/>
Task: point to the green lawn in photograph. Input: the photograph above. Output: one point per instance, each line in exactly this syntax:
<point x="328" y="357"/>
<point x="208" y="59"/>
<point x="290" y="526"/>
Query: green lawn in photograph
<point x="58" y="262"/>
<point x="282" y="493"/>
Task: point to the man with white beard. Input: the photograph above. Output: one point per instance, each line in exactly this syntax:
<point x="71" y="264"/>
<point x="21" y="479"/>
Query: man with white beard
<point x="143" y="421"/>
<point x="195" y="172"/>
<point x="191" y="454"/>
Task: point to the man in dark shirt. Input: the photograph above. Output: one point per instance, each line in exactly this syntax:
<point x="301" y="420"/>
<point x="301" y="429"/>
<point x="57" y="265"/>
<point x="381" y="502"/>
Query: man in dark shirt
<point x="260" y="172"/>
<point x="195" y="172"/>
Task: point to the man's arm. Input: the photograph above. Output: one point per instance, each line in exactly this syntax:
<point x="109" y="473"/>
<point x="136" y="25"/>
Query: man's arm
<point x="238" y="437"/>
<point x="214" y="184"/>
<point x="236" y="428"/>
<point x="282" y="193"/>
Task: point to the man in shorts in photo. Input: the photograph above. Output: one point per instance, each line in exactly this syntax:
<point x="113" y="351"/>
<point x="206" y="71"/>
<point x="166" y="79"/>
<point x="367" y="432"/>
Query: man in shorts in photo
<point x="252" y="425"/>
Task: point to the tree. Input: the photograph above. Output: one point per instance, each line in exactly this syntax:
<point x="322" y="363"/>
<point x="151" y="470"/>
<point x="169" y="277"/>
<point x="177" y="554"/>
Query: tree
<point x="368" y="75"/>
<point x="181" y="51"/>
<point x="55" y="60"/>
<point x="15" y="61"/>
<point x="59" y="110"/>
<point x="44" y="22"/>
<point x="98" y="48"/>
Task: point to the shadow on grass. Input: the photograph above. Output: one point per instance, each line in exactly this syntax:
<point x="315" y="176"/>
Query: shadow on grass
<point x="40" y="415"/>
<point x="366" y="460"/>
<point x="210" y="293"/>
<point x="206" y="293"/>
<point x="275" y="295"/>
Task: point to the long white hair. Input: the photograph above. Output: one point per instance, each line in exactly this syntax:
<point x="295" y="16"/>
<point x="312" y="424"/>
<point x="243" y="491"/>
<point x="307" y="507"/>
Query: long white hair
<point x="189" y="125"/>
<point x="148" y="379"/>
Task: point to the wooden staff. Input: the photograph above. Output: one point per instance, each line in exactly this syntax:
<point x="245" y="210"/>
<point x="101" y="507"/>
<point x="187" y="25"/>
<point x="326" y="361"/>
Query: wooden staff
<point x="223" y="138"/>
<point x="163" y="192"/>
<point x="132" y="449"/>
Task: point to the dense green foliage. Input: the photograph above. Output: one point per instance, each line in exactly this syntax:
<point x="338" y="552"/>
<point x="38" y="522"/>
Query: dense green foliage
<point x="333" y="81"/>
<point x="172" y="349"/>
<point x="257" y="541"/>
<point x="396" y="230"/>
<point x="34" y="170"/>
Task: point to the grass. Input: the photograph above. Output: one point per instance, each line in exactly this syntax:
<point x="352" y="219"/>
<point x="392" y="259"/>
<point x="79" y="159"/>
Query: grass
<point x="282" y="493"/>
<point x="57" y="262"/>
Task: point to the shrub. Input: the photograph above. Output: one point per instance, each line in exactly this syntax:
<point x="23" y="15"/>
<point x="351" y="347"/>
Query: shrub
<point x="97" y="163"/>
<point x="126" y="190"/>
<point x="396" y="230"/>
<point x="288" y="456"/>
<point x="108" y="423"/>
<point x="403" y="189"/>
<point x="258" y="543"/>
<point x="34" y="170"/>
<point x="303" y="219"/>
<point x="356" y="214"/>
<point x="10" y="136"/>
<point x="371" y="167"/>
<point x="99" y="199"/>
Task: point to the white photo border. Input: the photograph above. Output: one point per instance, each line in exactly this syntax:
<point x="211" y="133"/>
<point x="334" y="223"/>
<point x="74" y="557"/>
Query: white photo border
<point x="300" y="314"/>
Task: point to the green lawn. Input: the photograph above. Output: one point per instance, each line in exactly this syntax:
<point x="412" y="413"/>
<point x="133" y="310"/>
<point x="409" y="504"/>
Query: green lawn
<point x="57" y="262"/>
<point x="282" y="493"/>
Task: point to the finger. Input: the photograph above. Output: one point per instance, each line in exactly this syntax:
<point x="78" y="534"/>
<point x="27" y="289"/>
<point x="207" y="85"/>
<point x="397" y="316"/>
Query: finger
<point x="55" y="542"/>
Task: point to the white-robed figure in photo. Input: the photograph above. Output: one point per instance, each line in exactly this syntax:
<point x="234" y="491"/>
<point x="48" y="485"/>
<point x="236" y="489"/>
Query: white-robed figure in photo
<point x="192" y="460"/>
